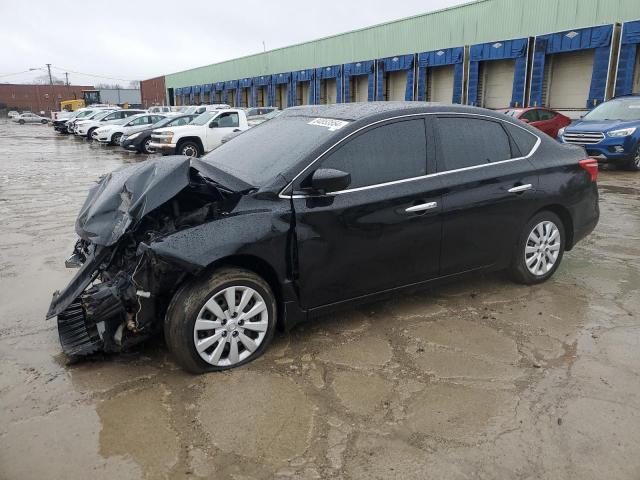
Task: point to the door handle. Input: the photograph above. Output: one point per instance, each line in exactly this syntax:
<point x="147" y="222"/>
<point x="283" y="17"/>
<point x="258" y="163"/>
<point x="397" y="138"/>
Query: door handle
<point x="521" y="188"/>
<point x="422" y="207"/>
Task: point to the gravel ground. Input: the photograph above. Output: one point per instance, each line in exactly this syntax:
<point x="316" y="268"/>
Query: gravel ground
<point x="477" y="379"/>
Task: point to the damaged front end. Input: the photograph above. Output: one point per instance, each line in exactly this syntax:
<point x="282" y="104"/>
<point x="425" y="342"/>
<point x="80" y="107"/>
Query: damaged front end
<point x="121" y="291"/>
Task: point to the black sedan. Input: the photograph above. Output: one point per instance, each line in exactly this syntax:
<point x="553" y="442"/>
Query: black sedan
<point x="319" y="208"/>
<point x="138" y="140"/>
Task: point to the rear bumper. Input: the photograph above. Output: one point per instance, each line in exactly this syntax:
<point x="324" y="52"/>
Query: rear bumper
<point x="585" y="215"/>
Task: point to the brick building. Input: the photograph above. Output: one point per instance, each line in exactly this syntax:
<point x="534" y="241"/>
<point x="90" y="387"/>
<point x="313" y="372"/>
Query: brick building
<point x="153" y="92"/>
<point x="38" y="98"/>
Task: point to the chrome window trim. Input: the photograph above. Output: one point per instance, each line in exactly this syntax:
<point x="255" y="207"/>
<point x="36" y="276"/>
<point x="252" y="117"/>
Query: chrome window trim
<point x="411" y="179"/>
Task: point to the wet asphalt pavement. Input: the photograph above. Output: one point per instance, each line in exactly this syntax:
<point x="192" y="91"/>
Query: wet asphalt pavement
<point x="478" y="379"/>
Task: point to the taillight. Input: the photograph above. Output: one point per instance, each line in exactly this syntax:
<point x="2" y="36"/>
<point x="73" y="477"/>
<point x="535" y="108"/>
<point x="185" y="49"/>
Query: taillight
<point x="591" y="166"/>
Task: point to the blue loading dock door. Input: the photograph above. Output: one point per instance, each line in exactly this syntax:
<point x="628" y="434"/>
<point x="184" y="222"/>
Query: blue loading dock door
<point x="570" y="69"/>
<point x="281" y="90"/>
<point x="328" y="85"/>
<point x="262" y="91"/>
<point x="359" y="77"/>
<point x="244" y="96"/>
<point x="441" y="75"/>
<point x="303" y="84"/>
<point x="216" y="93"/>
<point x="207" y="88"/>
<point x="395" y="78"/>
<point x="196" y="94"/>
<point x="229" y="92"/>
<point x="628" y="74"/>
<point x="496" y="68"/>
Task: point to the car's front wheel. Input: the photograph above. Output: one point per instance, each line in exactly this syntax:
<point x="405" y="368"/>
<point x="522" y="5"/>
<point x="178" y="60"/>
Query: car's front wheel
<point x="189" y="148"/>
<point x="539" y="250"/>
<point x="633" y="163"/>
<point x="21" y="122"/>
<point x="220" y="322"/>
<point x="146" y="146"/>
<point x="115" y="138"/>
<point x="43" y="121"/>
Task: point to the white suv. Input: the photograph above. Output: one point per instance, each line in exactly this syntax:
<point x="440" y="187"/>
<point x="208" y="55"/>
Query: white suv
<point x="112" y="132"/>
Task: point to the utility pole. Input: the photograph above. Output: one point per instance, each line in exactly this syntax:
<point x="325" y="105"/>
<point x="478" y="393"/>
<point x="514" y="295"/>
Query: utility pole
<point x="66" y="75"/>
<point x="50" y="77"/>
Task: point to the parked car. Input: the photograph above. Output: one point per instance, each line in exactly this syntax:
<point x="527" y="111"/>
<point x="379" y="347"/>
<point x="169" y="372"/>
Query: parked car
<point x="29" y="118"/>
<point x="610" y="132"/>
<point x="544" y="119"/>
<point x="159" y="109"/>
<point x="12" y="114"/>
<point x="87" y="127"/>
<point x="60" y="124"/>
<point x="89" y="114"/>
<point x="139" y="139"/>
<point x="198" y="109"/>
<point x="319" y="208"/>
<point x="252" y="123"/>
<point x="202" y="135"/>
<point x="112" y="132"/>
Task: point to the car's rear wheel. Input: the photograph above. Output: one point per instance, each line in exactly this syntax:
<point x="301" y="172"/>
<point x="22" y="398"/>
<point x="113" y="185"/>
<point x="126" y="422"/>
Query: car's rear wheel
<point x="21" y="122"/>
<point x="146" y="145"/>
<point x="43" y="121"/>
<point x="115" y="138"/>
<point x="633" y="163"/>
<point x="220" y="322"/>
<point x="189" y="148"/>
<point x="539" y="250"/>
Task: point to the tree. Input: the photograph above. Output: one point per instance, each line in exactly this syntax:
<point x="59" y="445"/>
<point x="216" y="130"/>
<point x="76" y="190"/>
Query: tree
<point x="134" y="84"/>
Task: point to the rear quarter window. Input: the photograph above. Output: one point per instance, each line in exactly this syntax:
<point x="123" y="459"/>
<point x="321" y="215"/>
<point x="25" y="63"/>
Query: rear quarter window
<point x="524" y="140"/>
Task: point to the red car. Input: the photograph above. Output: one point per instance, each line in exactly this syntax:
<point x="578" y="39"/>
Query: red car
<point x="549" y="121"/>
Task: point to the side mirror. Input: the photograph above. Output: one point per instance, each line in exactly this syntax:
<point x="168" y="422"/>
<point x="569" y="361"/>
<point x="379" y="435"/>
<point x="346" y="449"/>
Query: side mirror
<point x="326" y="180"/>
<point x="214" y="124"/>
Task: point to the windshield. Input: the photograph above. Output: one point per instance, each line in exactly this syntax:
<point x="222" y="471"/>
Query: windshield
<point x="103" y="114"/>
<point x="84" y="114"/>
<point x="621" y="109"/>
<point x="203" y="118"/>
<point x="261" y="153"/>
<point x="121" y="121"/>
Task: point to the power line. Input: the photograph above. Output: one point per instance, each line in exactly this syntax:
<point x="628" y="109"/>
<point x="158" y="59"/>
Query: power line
<point x="12" y="74"/>
<point x="92" y="75"/>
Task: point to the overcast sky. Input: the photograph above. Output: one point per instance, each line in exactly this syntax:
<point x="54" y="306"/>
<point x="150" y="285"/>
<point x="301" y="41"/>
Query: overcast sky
<point x="138" y="39"/>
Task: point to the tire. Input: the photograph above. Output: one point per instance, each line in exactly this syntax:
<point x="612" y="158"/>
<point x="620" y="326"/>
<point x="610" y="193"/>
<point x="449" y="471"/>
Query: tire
<point x="21" y="122"/>
<point x="525" y="268"/>
<point x="90" y="132"/>
<point x="189" y="148"/>
<point x="190" y="304"/>
<point x="633" y="163"/>
<point x="145" y="146"/>
<point x="43" y="121"/>
<point x="115" y="138"/>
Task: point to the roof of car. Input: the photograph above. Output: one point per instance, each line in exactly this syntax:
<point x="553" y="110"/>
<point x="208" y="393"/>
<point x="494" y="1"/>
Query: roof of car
<point x="359" y="111"/>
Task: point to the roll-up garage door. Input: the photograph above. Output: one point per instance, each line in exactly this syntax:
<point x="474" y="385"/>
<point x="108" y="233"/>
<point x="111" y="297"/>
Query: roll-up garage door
<point x="440" y="84"/>
<point x="281" y="96"/>
<point x="569" y="79"/>
<point x="302" y="91"/>
<point x="261" y="97"/>
<point x="497" y="83"/>
<point x="636" y="75"/>
<point x="395" y="85"/>
<point x="361" y="88"/>
<point x="328" y="91"/>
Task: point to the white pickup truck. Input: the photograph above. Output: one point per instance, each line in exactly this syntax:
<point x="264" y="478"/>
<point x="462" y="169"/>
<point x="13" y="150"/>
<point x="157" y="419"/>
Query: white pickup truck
<point x="202" y="135"/>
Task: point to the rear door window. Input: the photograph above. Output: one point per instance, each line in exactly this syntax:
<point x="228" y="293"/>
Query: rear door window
<point x="390" y="152"/>
<point x="469" y="142"/>
<point x="531" y="115"/>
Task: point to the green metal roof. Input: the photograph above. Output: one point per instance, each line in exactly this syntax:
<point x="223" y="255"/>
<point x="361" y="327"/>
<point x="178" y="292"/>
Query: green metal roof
<point x="467" y="24"/>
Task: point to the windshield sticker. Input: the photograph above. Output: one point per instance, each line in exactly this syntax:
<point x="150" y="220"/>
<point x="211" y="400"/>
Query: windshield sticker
<point x="330" y="123"/>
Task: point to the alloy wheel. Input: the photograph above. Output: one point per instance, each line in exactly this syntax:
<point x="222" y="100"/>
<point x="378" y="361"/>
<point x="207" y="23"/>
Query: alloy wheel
<point x="147" y="146"/>
<point x="542" y="248"/>
<point x="231" y="326"/>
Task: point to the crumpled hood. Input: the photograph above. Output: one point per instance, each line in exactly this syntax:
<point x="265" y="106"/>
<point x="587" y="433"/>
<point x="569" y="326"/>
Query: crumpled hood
<point x="600" y="125"/>
<point x="123" y="197"/>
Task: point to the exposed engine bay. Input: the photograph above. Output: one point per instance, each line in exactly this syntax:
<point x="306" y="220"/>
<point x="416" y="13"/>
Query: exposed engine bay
<point x="121" y="292"/>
